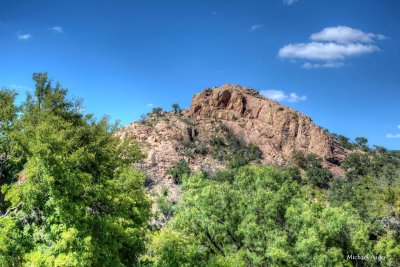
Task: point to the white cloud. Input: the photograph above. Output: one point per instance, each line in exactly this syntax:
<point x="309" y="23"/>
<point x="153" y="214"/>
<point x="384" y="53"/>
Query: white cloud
<point x="345" y="35"/>
<point x="281" y="96"/>
<point x="273" y="94"/>
<point x="396" y="136"/>
<point x="24" y="36"/>
<point x="325" y="51"/>
<point x="331" y="46"/>
<point x="57" y="29"/>
<point x="293" y="97"/>
<point x="289" y="2"/>
<point x="255" y="27"/>
<point x="308" y="65"/>
<point x="150" y="105"/>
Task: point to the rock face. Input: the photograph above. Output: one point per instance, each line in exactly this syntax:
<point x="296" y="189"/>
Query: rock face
<point x="277" y="130"/>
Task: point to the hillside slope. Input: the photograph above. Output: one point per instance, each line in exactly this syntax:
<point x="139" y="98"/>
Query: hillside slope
<point x="278" y="131"/>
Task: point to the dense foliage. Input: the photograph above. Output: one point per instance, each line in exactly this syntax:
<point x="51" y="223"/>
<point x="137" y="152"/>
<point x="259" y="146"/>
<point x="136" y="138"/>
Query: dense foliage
<point x="69" y="195"/>
<point x="268" y="216"/>
<point x="232" y="150"/>
<point x="257" y="216"/>
<point x="179" y="170"/>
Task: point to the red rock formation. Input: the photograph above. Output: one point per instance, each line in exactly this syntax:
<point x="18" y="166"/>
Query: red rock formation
<point x="277" y="130"/>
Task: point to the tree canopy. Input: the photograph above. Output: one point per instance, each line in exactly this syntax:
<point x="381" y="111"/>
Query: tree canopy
<point x="261" y="216"/>
<point x="69" y="194"/>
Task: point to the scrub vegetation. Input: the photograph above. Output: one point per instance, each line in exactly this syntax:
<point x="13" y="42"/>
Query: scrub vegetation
<point x="70" y="196"/>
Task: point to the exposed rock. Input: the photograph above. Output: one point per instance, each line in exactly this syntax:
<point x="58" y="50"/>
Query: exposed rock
<point x="277" y="130"/>
<point x="391" y="223"/>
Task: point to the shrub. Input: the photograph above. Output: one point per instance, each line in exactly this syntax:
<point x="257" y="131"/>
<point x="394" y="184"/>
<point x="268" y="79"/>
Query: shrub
<point x="356" y="165"/>
<point x="179" y="170"/>
<point x="238" y="160"/>
<point x="257" y="216"/>
<point x="217" y="142"/>
<point x="176" y="108"/>
<point x="157" y="111"/>
<point x="232" y="149"/>
<point x="362" y="142"/>
<point x="306" y="161"/>
<point x="253" y="152"/>
<point x="165" y="206"/>
<point x="201" y="148"/>
<point x="345" y="142"/>
<point x="189" y="144"/>
<point x="319" y="177"/>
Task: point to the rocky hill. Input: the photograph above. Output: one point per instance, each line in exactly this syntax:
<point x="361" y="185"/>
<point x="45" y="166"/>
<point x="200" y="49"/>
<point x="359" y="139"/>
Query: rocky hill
<point x="199" y="135"/>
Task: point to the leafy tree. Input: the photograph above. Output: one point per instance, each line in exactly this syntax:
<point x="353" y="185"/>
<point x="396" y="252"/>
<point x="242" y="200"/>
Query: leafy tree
<point x="356" y="165"/>
<point x="180" y="169"/>
<point x="362" y="142"/>
<point x="388" y="247"/>
<point x="176" y="108"/>
<point x="8" y="112"/>
<point x="299" y="159"/>
<point x="165" y="206"/>
<point x="380" y="150"/>
<point x="303" y="161"/>
<point x="73" y="198"/>
<point x="256" y="216"/>
<point x="233" y="150"/>
<point x="345" y="142"/>
<point x="319" y="177"/>
<point x="170" y="249"/>
<point x="157" y="111"/>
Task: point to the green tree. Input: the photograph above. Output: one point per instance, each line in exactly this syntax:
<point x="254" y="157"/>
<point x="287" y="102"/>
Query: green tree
<point x="157" y="111"/>
<point x="180" y="169"/>
<point x="8" y="112"/>
<point x="256" y="216"/>
<point x="176" y="108"/>
<point x="362" y="142"/>
<point x="306" y="161"/>
<point x="345" y="142"/>
<point x="75" y="200"/>
<point x="356" y="165"/>
<point x="319" y="177"/>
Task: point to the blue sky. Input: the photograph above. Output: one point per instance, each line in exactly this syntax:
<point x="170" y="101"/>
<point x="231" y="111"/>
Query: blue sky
<point x="337" y="61"/>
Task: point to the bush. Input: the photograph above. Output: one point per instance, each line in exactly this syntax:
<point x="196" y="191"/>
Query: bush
<point x="253" y="152"/>
<point x="179" y="170"/>
<point x="165" y="206"/>
<point x="234" y="150"/>
<point x="356" y="165"/>
<point x="201" y="149"/>
<point x="362" y="142"/>
<point x="257" y="216"/>
<point x="217" y="142"/>
<point x="176" y="108"/>
<point x="306" y="161"/>
<point x="345" y="142"/>
<point x="319" y="177"/>
<point x="299" y="159"/>
<point x="157" y="111"/>
<point x="238" y="160"/>
<point x="80" y="202"/>
<point x="189" y="144"/>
